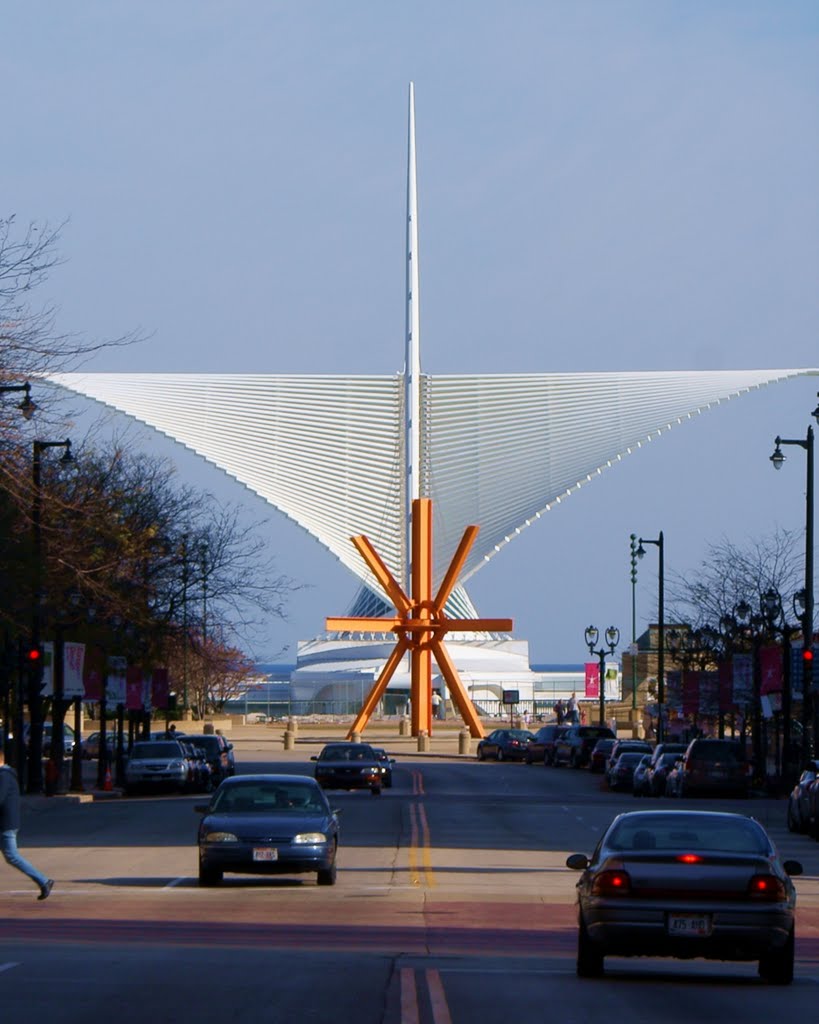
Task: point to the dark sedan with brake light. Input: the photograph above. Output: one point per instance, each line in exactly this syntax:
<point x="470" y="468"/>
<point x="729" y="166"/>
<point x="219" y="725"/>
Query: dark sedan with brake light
<point x="349" y="766"/>
<point x="267" y="825"/>
<point x="686" y="884"/>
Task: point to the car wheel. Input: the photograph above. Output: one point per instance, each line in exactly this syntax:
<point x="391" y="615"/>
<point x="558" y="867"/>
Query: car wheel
<point x="376" y="791"/>
<point x="499" y="755"/>
<point x="327" y="876"/>
<point x="590" y="959"/>
<point x="209" y="877"/>
<point x="777" y="967"/>
<point x="481" y="755"/>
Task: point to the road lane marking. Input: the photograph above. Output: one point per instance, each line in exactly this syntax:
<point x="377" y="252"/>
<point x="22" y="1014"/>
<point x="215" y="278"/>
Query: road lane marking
<point x="409" y="997"/>
<point x="417" y="783"/>
<point x="420" y="843"/>
<point x="415" y="878"/>
<point x="437" y="998"/>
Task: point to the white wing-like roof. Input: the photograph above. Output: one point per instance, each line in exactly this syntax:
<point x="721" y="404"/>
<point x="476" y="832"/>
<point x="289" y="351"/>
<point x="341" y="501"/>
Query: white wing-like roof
<point x="497" y="451"/>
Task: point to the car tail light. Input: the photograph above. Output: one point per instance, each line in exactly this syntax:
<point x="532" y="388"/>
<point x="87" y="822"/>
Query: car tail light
<point x="689" y="858"/>
<point x="614" y="882"/>
<point x="767" y="888"/>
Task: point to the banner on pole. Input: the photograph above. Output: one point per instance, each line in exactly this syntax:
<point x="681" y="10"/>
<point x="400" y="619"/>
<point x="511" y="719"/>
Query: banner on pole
<point x="592" y="679"/>
<point x="73" y="662"/>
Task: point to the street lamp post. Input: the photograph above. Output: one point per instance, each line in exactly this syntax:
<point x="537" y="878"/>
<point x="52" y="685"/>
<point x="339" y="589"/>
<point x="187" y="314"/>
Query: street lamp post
<point x="27" y="406"/>
<point x="810" y="707"/>
<point x="612" y="639"/>
<point x="633" y="544"/>
<point x="35" y="767"/>
<point x="659" y="543"/>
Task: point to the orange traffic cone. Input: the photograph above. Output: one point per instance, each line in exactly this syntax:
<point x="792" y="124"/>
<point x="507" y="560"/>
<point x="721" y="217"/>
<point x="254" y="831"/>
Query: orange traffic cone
<point x="108" y="784"/>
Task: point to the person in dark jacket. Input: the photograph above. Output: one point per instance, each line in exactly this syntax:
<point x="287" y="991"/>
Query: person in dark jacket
<point x="10" y="824"/>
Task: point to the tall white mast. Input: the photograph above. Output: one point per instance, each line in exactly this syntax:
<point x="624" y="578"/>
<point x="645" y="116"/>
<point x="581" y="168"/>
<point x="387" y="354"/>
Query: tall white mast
<point x="412" y="358"/>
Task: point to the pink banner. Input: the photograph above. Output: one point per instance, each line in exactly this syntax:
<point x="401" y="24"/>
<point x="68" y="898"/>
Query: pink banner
<point x="93" y="673"/>
<point x="690" y="692"/>
<point x="592" y="679"/>
<point x="770" y="669"/>
<point x="133" y="688"/>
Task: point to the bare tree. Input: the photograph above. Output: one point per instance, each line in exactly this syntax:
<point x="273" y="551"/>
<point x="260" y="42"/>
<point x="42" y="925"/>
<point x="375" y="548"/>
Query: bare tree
<point x="730" y="574"/>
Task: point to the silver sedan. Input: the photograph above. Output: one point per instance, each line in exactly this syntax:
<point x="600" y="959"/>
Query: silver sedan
<point x="686" y="884"/>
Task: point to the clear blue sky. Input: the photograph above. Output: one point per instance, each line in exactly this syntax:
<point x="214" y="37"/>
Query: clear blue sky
<point x="603" y="185"/>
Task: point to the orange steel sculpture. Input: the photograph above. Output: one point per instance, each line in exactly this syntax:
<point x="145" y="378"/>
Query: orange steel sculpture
<point x="419" y="625"/>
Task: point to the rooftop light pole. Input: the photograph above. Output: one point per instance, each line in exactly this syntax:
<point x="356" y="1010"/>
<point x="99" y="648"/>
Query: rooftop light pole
<point x="659" y="543"/>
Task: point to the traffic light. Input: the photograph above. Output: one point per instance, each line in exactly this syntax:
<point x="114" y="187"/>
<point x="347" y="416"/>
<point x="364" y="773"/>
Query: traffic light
<point x="171" y="701"/>
<point x="807" y="655"/>
<point x="34" y="656"/>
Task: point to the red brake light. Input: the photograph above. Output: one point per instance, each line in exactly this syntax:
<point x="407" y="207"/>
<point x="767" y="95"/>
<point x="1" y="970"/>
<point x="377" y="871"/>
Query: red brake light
<point x="766" y="887"/>
<point x="690" y="858"/>
<point x="612" y="883"/>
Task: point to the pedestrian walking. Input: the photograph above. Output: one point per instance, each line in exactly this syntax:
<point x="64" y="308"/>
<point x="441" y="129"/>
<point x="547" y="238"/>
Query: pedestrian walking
<point x="10" y="825"/>
<point x="436" y="704"/>
<point x="571" y="711"/>
<point x="559" y="712"/>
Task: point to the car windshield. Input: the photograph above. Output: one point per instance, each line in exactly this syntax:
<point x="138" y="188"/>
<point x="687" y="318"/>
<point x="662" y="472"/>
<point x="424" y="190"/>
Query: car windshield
<point x="264" y="797"/>
<point x="519" y="734"/>
<point x="719" y="833"/>
<point x="355" y="752"/>
<point x="143" y="750"/>
<point x="207" y="743"/>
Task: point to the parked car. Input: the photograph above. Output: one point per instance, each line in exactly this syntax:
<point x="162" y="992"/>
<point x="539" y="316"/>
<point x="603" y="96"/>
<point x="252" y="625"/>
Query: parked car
<point x="349" y="766"/>
<point x="686" y="884"/>
<point x="386" y="763"/>
<point x="658" y="772"/>
<point x="68" y="737"/>
<point x="218" y="751"/>
<point x="575" y="746"/>
<point x="639" y="780"/>
<point x="621" y="746"/>
<point x="667" y="748"/>
<point x="800" y="811"/>
<point x="91" y="745"/>
<point x="543" y="742"/>
<point x="600" y="754"/>
<point x="620" y="774"/>
<point x="157" y="765"/>
<point x="505" y="745"/>
<point x="673" y="778"/>
<point x="716" y="767"/>
<point x="267" y="825"/>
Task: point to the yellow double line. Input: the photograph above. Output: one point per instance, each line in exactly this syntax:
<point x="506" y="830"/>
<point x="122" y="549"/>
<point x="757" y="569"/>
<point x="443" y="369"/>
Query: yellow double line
<point x="409" y="997"/>
<point x="420" y="848"/>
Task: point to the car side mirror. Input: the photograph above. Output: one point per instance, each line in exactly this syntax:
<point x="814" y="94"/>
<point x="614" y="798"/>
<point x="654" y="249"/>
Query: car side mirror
<point x="577" y="862"/>
<point x="201" y="808"/>
<point x="314" y="758"/>
<point x="337" y="811"/>
<point x="792" y="867"/>
<point x="392" y="760"/>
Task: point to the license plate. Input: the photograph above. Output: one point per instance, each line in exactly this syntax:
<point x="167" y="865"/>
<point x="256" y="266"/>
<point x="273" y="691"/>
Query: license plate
<point x="265" y="853"/>
<point x="689" y="925"/>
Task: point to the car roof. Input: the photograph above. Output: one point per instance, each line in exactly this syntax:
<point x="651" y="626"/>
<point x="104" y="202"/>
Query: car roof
<point x="281" y="778"/>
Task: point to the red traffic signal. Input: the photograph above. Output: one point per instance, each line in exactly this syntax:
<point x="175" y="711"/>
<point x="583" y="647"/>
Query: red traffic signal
<point x="807" y="654"/>
<point x="34" y="655"/>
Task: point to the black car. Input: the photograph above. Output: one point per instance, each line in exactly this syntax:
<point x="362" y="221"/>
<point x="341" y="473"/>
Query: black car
<point x="576" y="744"/>
<point x="349" y="766"/>
<point x="540" y="749"/>
<point x="715" y="766"/>
<point x="621" y="746"/>
<point x="686" y="885"/>
<point x="505" y="745"/>
<point x="658" y="771"/>
<point x="218" y="751"/>
<point x="386" y="763"/>
<point x="267" y="825"/>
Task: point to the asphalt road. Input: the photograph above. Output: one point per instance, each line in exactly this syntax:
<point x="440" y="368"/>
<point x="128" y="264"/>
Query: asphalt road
<point x="453" y="905"/>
